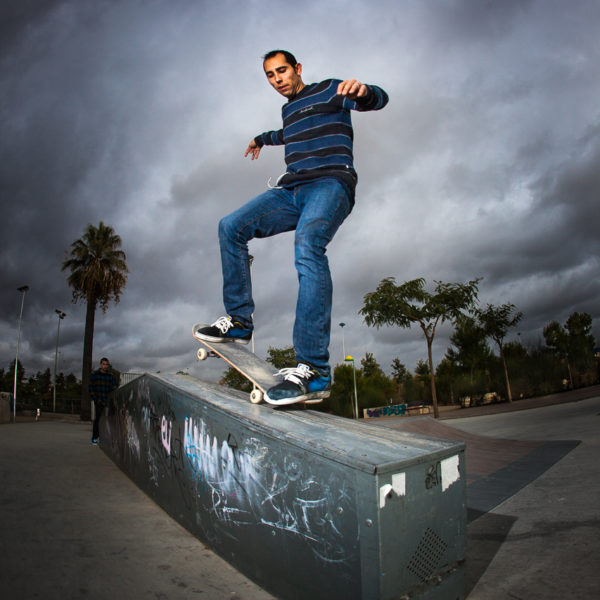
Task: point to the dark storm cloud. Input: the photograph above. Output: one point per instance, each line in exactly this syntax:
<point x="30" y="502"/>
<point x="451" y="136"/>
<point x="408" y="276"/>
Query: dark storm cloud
<point x="572" y="194"/>
<point x="477" y="21"/>
<point x="17" y="17"/>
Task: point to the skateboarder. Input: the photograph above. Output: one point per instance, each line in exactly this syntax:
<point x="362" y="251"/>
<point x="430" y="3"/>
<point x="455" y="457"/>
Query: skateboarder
<point x="313" y="197"/>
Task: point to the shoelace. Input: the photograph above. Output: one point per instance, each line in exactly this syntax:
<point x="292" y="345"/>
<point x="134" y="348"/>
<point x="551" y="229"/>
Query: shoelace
<point x="224" y="324"/>
<point x="294" y="374"/>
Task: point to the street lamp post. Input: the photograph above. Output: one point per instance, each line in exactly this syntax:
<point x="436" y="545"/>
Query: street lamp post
<point x="61" y="316"/>
<point x="342" y="325"/>
<point x="350" y="359"/>
<point x="23" y="289"/>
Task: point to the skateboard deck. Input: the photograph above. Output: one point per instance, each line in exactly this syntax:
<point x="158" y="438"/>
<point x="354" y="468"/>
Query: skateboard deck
<point x="253" y="368"/>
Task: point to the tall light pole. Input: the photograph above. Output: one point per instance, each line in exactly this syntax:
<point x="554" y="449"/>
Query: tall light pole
<point x="61" y="316"/>
<point x="342" y="325"/>
<point x="22" y="289"/>
<point x="350" y="359"/>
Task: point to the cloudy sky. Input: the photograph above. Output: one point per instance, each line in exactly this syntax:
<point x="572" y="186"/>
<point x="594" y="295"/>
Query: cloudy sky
<point x="485" y="163"/>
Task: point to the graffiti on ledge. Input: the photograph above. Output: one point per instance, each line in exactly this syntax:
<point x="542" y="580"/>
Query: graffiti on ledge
<point x="386" y="411"/>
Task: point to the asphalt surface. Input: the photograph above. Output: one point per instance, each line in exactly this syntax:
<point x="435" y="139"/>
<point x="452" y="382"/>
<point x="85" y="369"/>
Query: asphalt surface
<point x="72" y="525"/>
<point x="543" y="542"/>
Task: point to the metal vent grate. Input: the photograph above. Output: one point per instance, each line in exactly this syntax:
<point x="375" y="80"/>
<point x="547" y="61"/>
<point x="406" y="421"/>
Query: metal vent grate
<point x="427" y="556"/>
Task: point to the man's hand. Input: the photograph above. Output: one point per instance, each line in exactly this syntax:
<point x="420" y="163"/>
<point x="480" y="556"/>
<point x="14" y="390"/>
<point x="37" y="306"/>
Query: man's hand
<point x="253" y="149"/>
<point x="352" y="89"/>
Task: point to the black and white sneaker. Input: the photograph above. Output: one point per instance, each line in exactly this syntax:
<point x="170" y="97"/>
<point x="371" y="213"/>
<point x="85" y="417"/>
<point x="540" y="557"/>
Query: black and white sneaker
<point x="224" y="329"/>
<point x="300" y="384"/>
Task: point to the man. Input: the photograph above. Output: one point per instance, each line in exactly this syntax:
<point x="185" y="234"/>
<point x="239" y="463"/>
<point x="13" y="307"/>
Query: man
<point x="313" y="197"/>
<point x="102" y="384"/>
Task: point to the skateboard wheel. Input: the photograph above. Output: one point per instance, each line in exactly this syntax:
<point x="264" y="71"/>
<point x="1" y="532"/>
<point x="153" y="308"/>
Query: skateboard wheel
<point x="202" y="354"/>
<point x="256" y="396"/>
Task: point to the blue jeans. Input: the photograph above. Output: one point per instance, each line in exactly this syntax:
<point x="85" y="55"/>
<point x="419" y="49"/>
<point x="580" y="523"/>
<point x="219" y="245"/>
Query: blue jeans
<point x="315" y="210"/>
<point x="96" y="424"/>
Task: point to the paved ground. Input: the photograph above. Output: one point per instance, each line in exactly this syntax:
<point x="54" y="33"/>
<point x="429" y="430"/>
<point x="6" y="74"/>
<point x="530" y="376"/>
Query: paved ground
<point x="521" y="404"/>
<point x="72" y="525"/>
<point x="544" y="541"/>
<point x="534" y="532"/>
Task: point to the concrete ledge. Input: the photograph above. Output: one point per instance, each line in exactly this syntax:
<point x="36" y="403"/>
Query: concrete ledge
<point x="305" y="504"/>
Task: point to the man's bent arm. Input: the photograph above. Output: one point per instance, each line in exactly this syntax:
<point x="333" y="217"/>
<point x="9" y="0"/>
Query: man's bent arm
<point x="270" y="138"/>
<point x="364" y="96"/>
<point x="352" y="89"/>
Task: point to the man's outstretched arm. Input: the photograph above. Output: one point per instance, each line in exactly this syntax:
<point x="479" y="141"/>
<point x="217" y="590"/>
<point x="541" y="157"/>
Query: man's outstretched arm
<point x="268" y="138"/>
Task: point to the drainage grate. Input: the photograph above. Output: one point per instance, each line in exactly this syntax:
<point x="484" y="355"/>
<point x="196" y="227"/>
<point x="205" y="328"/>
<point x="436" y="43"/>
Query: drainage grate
<point x="427" y="556"/>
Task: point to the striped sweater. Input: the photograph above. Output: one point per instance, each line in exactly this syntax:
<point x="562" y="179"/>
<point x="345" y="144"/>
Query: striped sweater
<point x="317" y="133"/>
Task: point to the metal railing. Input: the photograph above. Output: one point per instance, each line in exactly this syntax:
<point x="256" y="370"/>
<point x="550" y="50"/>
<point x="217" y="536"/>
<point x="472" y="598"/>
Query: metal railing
<point x="127" y="377"/>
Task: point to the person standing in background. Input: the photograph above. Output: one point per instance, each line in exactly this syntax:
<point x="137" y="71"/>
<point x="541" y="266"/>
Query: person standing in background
<point x="102" y="385"/>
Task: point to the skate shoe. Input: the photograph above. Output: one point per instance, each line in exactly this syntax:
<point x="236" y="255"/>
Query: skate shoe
<point x="300" y="384"/>
<point x="224" y="329"/>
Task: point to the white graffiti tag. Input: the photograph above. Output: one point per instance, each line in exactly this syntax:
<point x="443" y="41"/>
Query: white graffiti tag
<point x="248" y="483"/>
<point x="166" y="427"/>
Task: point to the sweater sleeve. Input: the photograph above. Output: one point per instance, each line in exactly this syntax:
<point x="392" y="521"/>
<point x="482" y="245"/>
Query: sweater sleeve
<point x="269" y="138"/>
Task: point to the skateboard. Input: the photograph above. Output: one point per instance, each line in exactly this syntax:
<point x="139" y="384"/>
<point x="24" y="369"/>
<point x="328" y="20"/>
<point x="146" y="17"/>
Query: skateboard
<point x="253" y="368"/>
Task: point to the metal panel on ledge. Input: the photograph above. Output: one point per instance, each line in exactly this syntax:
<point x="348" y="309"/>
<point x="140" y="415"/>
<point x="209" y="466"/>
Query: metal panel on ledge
<point x="306" y="504"/>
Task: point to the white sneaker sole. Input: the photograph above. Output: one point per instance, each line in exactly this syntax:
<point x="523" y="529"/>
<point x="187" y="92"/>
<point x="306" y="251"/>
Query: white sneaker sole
<point x="313" y="398"/>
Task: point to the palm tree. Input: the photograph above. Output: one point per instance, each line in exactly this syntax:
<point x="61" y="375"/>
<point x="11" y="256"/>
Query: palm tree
<point x="98" y="273"/>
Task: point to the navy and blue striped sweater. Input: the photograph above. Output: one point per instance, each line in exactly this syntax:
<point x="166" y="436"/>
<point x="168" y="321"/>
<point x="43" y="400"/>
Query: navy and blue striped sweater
<point x="317" y="133"/>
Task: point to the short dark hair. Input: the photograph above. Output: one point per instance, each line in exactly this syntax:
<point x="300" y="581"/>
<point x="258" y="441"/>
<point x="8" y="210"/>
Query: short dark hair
<point x="289" y="57"/>
<point x="104" y="359"/>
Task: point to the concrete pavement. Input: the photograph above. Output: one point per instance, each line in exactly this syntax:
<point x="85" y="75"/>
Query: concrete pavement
<point x="533" y="485"/>
<point x="72" y="525"/>
<point x="544" y="541"/>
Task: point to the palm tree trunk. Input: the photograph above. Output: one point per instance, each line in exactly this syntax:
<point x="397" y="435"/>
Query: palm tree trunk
<point x="88" y="347"/>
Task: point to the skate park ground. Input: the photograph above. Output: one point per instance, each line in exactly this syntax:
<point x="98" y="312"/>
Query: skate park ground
<point x="72" y="525"/>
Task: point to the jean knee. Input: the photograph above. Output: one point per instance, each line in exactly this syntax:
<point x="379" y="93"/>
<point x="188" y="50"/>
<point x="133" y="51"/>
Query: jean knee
<point x="310" y="251"/>
<point x="228" y="229"/>
<point x="312" y="237"/>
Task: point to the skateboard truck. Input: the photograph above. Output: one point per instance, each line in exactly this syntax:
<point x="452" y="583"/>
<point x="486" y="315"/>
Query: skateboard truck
<point x="256" y="370"/>
<point x="256" y="395"/>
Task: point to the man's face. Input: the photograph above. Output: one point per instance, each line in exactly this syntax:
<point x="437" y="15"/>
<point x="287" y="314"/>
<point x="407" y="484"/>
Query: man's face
<point x="104" y="365"/>
<point x="282" y="76"/>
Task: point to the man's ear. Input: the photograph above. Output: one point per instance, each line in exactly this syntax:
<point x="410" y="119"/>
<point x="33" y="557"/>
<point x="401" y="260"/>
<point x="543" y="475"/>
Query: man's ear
<point x="298" y="69"/>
